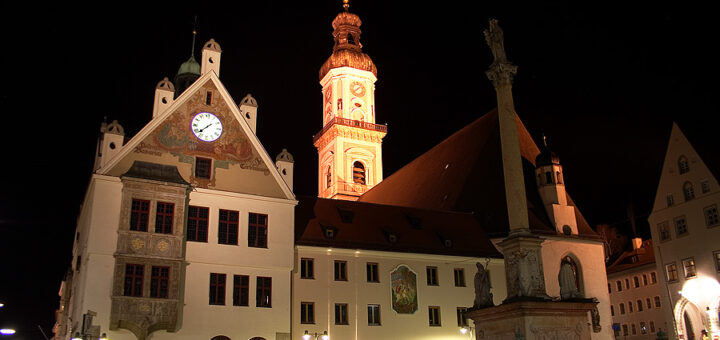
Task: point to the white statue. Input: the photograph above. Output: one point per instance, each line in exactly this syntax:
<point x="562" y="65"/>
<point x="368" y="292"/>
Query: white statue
<point x="568" y="281"/>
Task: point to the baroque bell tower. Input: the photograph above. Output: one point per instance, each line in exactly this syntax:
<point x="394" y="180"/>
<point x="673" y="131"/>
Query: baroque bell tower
<point x="350" y="143"/>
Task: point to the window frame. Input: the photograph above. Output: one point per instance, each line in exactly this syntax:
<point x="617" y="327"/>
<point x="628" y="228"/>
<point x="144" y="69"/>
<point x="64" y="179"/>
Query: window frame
<point x="258" y="232"/>
<point x="159" y="282"/>
<point x="307" y="272"/>
<point x="164" y="219"/>
<point x="431" y="273"/>
<point x="340" y="272"/>
<point x="217" y="289"/>
<point x="679" y="222"/>
<point x="372" y="271"/>
<point x="341" y="314"/>
<point x="140" y="221"/>
<point x="461" y="319"/>
<point x="374" y="315"/>
<point x="675" y="275"/>
<point x="688" y="191"/>
<point x="203" y="167"/>
<point x="199" y="224"/>
<point x="228" y="227"/>
<point x="622" y="308"/>
<point x="716" y="257"/>
<point x="434" y="316"/>
<point x="459" y="276"/>
<point x="263" y="292"/>
<point x="689" y="262"/>
<point x="307" y="313"/>
<point x="664" y="233"/>
<point x="136" y="280"/>
<point x="712" y="218"/>
<point x="241" y="290"/>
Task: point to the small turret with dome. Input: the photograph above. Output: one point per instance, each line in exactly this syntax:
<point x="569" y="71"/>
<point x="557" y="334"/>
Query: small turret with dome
<point x="550" y="182"/>
<point x="188" y="72"/>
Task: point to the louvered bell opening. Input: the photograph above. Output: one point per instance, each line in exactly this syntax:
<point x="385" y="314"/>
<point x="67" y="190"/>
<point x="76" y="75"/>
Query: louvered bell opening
<point x="358" y="173"/>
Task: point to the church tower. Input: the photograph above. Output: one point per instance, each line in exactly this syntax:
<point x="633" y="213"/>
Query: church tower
<point x="350" y="143"/>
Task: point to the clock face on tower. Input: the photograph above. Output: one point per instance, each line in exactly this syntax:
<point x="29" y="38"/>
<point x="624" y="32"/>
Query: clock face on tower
<point x="357" y="88"/>
<point x="206" y="126"/>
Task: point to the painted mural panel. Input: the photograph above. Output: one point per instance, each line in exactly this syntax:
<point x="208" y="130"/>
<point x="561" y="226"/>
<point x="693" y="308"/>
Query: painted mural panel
<point x="404" y="290"/>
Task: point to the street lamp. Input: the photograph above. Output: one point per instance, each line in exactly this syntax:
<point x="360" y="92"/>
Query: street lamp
<point x="466" y="329"/>
<point x="316" y="336"/>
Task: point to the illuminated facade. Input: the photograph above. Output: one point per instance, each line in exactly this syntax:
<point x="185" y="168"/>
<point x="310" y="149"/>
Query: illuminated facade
<point x="686" y="229"/>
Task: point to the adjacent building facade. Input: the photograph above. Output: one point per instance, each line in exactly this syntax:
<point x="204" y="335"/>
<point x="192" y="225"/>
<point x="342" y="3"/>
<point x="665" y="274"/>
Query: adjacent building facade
<point x="685" y="229"/>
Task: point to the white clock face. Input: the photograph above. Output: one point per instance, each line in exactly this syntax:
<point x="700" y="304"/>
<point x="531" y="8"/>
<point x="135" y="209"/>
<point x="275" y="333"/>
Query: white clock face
<point x="206" y="126"/>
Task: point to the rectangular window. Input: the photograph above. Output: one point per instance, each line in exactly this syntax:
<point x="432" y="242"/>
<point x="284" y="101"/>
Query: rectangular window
<point x="461" y="320"/>
<point x="625" y="330"/>
<point x="636" y="281"/>
<point x="203" y="167"/>
<point x="197" y="224"/>
<point x="634" y="330"/>
<point x="159" y="282"/>
<point x="649" y="303"/>
<point x="372" y="272"/>
<point x="716" y="256"/>
<point x="133" y="280"/>
<point x="257" y="230"/>
<point x="622" y="309"/>
<point x="340" y="271"/>
<point x="627" y="283"/>
<point x="612" y="310"/>
<point x="434" y="316"/>
<point x="373" y="315"/>
<point x="459" y="277"/>
<point x="711" y="216"/>
<point x="217" y="289"/>
<point x="645" y="280"/>
<point x="341" y="314"/>
<point x="680" y="226"/>
<point x="307" y="268"/>
<point x="139" y="213"/>
<point x="652" y="327"/>
<point x="228" y="227"/>
<point x="670" y="200"/>
<point x="671" y="272"/>
<point x="164" y="217"/>
<point x="705" y="185"/>
<point x="609" y="288"/>
<point x="263" y="294"/>
<point x="664" y="231"/>
<point x="643" y="328"/>
<point x="432" y="278"/>
<point x="619" y="286"/>
<point x="208" y="98"/>
<point x="653" y="278"/>
<point x="689" y="266"/>
<point x="639" y="306"/>
<point x="241" y="290"/>
<point x="307" y="312"/>
<point x="657" y="302"/>
<point x="630" y="306"/>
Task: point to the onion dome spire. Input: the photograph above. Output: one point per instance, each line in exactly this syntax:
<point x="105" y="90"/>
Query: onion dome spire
<point x="189" y="71"/>
<point x="347" y="50"/>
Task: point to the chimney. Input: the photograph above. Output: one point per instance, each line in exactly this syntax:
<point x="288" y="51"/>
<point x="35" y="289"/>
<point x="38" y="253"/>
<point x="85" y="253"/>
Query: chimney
<point x="637" y="243"/>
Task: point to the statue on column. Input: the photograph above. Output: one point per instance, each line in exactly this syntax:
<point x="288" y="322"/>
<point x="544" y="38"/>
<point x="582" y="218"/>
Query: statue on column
<point x="483" y="297"/>
<point x="568" y="281"/>
<point x="495" y="39"/>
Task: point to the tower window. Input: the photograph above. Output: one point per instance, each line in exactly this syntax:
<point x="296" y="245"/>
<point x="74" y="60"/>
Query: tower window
<point x="359" y="173"/>
<point x="350" y="39"/>
<point x="683" y="165"/>
<point x="329" y="176"/>
<point x="208" y="98"/>
<point x="549" y="177"/>
<point x="559" y="178"/>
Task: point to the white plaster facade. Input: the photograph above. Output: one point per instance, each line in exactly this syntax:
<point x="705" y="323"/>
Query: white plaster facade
<point x="639" y="287"/>
<point x="684" y="226"/>
<point x="324" y="292"/>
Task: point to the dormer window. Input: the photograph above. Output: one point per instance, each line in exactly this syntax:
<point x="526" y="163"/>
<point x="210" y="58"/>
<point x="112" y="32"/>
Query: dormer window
<point x="329" y="232"/>
<point x="683" y="165"/>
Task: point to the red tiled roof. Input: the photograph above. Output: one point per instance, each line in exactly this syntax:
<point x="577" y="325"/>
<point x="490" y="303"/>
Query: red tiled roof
<point x="358" y="225"/>
<point x="464" y="173"/>
<point x="634" y="258"/>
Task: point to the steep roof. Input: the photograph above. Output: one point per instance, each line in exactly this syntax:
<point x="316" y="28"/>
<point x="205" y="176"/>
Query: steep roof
<point x="464" y="173"/>
<point x="634" y="258"/>
<point x="358" y="225"/>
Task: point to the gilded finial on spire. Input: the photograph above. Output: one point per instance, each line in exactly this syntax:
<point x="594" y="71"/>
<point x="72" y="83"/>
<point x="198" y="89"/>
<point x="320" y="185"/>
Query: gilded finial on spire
<point x="544" y="140"/>
<point x="194" y="32"/>
<point x="346" y="5"/>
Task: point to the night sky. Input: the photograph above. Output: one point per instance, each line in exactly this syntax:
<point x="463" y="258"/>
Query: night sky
<point x="604" y="84"/>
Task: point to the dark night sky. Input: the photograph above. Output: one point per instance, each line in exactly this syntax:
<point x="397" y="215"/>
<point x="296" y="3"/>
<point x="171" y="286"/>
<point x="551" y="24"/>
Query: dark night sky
<point x="603" y="83"/>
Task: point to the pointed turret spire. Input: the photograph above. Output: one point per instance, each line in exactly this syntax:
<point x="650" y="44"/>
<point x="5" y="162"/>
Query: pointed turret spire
<point x="189" y="71"/>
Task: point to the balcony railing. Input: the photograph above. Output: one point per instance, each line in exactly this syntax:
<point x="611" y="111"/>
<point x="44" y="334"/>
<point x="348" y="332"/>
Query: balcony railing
<point x="346" y="188"/>
<point x="352" y="123"/>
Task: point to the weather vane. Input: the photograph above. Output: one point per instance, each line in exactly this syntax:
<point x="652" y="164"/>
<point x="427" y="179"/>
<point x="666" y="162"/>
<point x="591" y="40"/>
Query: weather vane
<point x="346" y="5"/>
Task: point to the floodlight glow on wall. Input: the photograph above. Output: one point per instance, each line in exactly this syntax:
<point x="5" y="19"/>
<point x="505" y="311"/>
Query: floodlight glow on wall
<point x="7" y="331"/>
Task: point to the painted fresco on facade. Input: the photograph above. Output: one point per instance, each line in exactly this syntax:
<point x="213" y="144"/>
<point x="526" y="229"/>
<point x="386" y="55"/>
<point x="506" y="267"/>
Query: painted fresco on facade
<point x="404" y="290"/>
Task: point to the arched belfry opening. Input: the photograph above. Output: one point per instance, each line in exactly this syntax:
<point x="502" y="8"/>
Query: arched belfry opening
<point x="359" y="174"/>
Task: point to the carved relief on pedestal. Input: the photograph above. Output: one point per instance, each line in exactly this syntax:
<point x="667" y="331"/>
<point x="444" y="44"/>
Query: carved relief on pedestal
<point x="557" y="333"/>
<point x="524" y="272"/>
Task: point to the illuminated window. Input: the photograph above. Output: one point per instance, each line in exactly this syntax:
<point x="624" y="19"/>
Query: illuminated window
<point x="203" y="167"/>
<point x="307" y="312"/>
<point x="164" y="217"/>
<point x="664" y="231"/>
<point x="689" y="266"/>
<point x="159" y="282"/>
<point x="434" y="316"/>
<point x="197" y="224"/>
<point x="341" y="314"/>
<point x="688" y="191"/>
<point x="683" y="165"/>
<point x="241" y="290"/>
<point x="139" y="212"/>
<point x="306" y="268"/>
<point x="341" y="271"/>
<point x="671" y="272"/>
<point x="711" y="216"/>
<point x="133" y="280"/>
<point x="681" y="226"/>
<point x="217" y="289"/>
<point x="432" y="277"/>
<point x="359" y="173"/>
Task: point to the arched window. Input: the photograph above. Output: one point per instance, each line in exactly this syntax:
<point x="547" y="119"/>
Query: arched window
<point x="559" y="178"/>
<point x="220" y="337"/>
<point x="359" y="173"/>
<point x="329" y="176"/>
<point x="683" y="165"/>
<point x="350" y="39"/>
<point x="688" y="191"/>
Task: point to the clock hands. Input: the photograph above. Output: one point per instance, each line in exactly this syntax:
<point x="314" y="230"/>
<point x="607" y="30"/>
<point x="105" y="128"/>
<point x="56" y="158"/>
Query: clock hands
<point x="201" y="130"/>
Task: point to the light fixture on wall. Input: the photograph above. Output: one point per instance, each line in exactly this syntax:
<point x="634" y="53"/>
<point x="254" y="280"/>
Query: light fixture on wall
<point x="308" y="336"/>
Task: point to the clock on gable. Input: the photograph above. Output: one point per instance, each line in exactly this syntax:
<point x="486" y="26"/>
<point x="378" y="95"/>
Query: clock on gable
<point x="206" y="126"/>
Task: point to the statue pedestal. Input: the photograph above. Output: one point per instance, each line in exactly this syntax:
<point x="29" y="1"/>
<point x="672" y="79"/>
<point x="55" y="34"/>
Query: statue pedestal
<point x="534" y="319"/>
